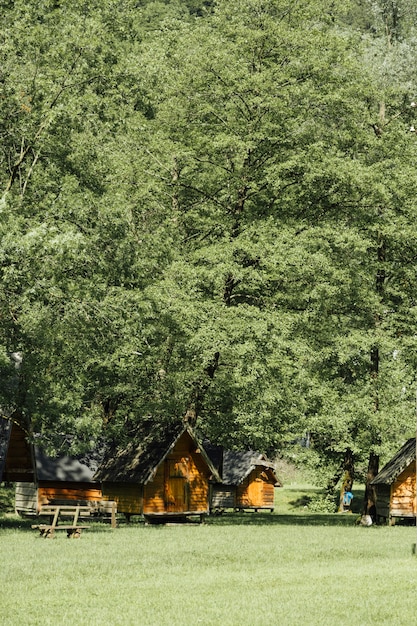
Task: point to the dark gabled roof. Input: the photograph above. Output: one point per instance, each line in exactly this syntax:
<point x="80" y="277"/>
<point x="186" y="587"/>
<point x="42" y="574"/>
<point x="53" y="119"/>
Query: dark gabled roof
<point x="215" y="454"/>
<point x="139" y="461"/>
<point x="237" y="465"/>
<point x="65" y="468"/>
<point x="399" y="462"/>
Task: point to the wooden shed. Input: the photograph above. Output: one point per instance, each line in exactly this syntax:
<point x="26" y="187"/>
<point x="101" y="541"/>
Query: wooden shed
<point x="395" y="486"/>
<point x="58" y="480"/>
<point x="248" y="481"/>
<point x="165" y="475"/>
<point x="41" y="479"/>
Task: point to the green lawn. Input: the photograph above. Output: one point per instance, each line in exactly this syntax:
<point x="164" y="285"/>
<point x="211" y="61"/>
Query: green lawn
<point x="288" y="568"/>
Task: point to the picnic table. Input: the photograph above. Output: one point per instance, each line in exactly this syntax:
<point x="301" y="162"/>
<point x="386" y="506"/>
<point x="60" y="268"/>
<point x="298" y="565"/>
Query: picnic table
<point x="55" y="513"/>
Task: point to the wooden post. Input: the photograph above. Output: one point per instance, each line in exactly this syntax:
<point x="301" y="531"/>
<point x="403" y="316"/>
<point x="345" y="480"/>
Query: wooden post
<point x="113" y="515"/>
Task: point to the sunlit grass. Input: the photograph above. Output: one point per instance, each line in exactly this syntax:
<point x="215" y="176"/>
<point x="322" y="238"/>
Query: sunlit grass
<point x="254" y="570"/>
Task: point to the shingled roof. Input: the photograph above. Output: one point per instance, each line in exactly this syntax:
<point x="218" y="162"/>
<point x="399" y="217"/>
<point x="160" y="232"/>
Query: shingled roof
<point x="65" y="468"/>
<point x="237" y="465"/>
<point x="139" y="461"/>
<point x="399" y="462"/>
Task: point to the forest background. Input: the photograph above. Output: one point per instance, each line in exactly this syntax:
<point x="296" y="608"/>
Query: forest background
<point x="207" y="211"/>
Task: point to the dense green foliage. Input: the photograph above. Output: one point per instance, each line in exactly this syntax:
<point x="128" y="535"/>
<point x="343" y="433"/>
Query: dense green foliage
<point x="207" y="210"/>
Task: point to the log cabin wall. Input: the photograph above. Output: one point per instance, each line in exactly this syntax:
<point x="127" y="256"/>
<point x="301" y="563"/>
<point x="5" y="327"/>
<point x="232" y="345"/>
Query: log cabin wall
<point x="223" y="497"/>
<point x="129" y="497"/>
<point x="29" y="498"/>
<point x="181" y="482"/>
<point x="403" y="493"/>
<point x="268" y="491"/>
<point x="199" y="483"/>
<point x="55" y="491"/>
<point x="383" y="500"/>
<point x="246" y="494"/>
<point x="256" y="490"/>
<point x="154" y="493"/>
<point x="26" y="498"/>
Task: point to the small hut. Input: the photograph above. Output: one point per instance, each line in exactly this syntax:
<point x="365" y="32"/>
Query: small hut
<point x="164" y="475"/>
<point x="57" y="481"/>
<point x="248" y="481"/>
<point x="395" y="486"/>
<point x="41" y="479"/>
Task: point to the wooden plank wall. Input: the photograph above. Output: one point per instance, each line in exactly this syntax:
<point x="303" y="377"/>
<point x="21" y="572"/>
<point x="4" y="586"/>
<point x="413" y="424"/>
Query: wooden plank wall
<point x="223" y="497"/>
<point x="383" y="500"/>
<point x="199" y="482"/>
<point x="129" y="497"/>
<point x="257" y="490"/>
<point x="403" y="493"/>
<point x="55" y="490"/>
<point x="30" y="498"/>
<point x="26" y="498"/>
<point x="268" y="494"/>
<point x="155" y="492"/>
<point x="152" y="497"/>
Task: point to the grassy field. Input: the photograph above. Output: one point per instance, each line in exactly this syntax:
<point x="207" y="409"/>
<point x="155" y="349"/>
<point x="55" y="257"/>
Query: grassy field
<point x="288" y="568"/>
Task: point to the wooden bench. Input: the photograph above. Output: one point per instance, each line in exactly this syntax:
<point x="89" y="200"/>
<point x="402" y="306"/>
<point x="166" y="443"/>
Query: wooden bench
<point x="255" y="509"/>
<point x="105" y="510"/>
<point x="57" y="512"/>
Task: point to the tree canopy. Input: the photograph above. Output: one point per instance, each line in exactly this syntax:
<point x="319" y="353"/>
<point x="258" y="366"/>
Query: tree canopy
<point x="207" y="213"/>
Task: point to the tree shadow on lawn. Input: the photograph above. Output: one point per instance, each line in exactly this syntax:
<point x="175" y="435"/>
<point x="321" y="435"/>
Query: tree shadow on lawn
<point x="282" y="519"/>
<point x="315" y="496"/>
<point x="299" y="506"/>
<point x="225" y="519"/>
<point x="14" y="522"/>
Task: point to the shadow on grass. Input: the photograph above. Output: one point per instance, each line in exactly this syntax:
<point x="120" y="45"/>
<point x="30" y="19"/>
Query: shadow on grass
<point x="282" y="519"/>
<point x="312" y="500"/>
<point x="226" y="519"/>
<point x="14" y="522"/>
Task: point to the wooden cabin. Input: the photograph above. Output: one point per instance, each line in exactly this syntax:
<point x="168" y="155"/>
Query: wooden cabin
<point x="395" y="486"/>
<point x="41" y="479"/>
<point x="56" y="481"/>
<point x="165" y="475"/>
<point x="248" y="482"/>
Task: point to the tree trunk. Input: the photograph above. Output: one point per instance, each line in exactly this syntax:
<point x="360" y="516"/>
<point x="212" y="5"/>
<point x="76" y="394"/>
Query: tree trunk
<point x="348" y="476"/>
<point x="369" y="502"/>
<point x="199" y="391"/>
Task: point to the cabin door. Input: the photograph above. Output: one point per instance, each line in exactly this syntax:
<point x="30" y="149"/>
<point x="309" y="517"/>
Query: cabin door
<point x="177" y="485"/>
<point x="256" y="492"/>
<point x="260" y="492"/>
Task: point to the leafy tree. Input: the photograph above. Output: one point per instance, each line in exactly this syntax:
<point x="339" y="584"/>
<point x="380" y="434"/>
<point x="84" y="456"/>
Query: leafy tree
<point x="209" y="218"/>
<point x="389" y="51"/>
<point x="263" y="167"/>
<point x="68" y="242"/>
